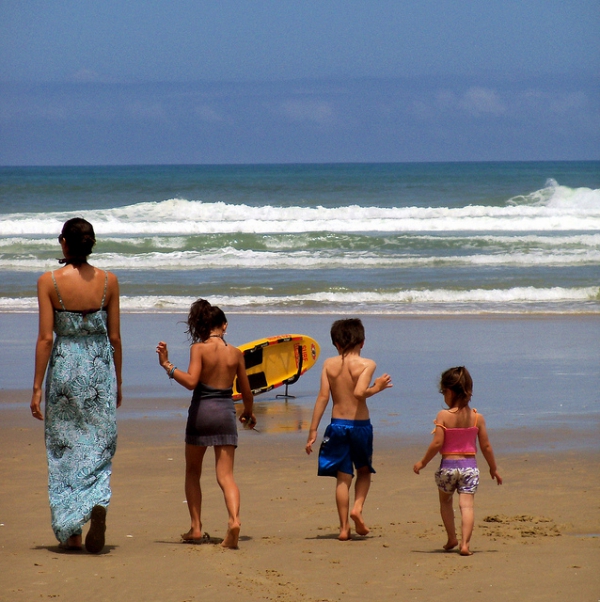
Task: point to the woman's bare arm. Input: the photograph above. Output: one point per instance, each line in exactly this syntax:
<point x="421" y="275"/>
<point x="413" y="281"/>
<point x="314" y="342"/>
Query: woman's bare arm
<point x="43" y="346"/>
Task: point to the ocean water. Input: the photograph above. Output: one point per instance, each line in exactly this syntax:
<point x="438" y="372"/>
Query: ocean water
<point x="383" y="239"/>
<point x="536" y="378"/>
<point x="492" y="265"/>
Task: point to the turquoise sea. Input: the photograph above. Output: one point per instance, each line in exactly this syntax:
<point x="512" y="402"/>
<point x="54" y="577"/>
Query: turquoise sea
<point x="418" y="238"/>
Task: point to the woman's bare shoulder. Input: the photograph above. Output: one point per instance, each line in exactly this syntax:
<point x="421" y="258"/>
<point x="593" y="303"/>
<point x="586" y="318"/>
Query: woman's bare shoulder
<point x="45" y="276"/>
<point x="111" y="277"/>
<point x="45" y="281"/>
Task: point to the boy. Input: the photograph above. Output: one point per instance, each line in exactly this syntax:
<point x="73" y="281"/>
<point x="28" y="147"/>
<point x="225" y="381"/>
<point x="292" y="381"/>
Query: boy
<point x="348" y="439"/>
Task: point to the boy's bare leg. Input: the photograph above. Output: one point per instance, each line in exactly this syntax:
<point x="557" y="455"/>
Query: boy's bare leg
<point x="447" y="512"/>
<point x="467" y="512"/>
<point x="361" y="489"/>
<point x="342" y="500"/>
<point x="194" y="454"/>
<point x="224" y="457"/>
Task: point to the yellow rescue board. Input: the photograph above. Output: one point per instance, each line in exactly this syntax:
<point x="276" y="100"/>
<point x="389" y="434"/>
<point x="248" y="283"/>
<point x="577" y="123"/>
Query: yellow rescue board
<point x="275" y="361"/>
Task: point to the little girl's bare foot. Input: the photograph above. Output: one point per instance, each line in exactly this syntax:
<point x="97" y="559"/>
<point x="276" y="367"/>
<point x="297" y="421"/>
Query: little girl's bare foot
<point x="344" y="535"/>
<point x="232" y="537"/>
<point x="452" y="543"/>
<point x="465" y="552"/>
<point x="359" y="523"/>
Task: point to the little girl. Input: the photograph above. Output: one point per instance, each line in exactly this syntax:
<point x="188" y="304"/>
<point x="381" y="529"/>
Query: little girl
<point x="455" y="436"/>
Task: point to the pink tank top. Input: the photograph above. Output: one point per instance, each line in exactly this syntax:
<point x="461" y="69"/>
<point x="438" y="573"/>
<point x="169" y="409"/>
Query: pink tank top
<point x="461" y="441"/>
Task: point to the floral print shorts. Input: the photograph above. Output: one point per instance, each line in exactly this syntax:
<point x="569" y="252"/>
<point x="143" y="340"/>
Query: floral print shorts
<point x="460" y="475"/>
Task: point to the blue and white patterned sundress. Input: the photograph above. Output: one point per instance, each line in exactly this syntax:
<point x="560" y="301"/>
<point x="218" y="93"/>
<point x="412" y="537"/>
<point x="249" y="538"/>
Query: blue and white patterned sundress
<point x="80" y="422"/>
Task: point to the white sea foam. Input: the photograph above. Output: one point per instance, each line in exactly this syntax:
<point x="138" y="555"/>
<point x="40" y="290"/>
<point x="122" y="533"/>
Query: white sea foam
<point x="571" y="300"/>
<point x="230" y="258"/>
<point x="554" y="227"/>
<point x="557" y="299"/>
<point x="550" y="209"/>
<point x="561" y="197"/>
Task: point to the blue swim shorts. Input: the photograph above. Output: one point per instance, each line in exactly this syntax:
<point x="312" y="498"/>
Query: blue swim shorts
<point x="346" y="443"/>
<point x="460" y="475"/>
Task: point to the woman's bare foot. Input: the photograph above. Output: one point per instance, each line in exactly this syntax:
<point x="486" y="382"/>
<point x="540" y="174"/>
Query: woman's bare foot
<point x="450" y="545"/>
<point x="73" y="544"/>
<point x="192" y="536"/>
<point x="465" y="552"/>
<point x="232" y="537"/>
<point x="359" y="523"/>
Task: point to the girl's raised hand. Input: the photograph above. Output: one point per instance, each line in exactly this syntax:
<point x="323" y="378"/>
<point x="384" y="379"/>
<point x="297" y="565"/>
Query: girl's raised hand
<point x="163" y="353"/>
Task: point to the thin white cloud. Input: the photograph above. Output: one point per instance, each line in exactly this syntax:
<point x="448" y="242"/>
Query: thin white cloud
<point x="479" y="101"/>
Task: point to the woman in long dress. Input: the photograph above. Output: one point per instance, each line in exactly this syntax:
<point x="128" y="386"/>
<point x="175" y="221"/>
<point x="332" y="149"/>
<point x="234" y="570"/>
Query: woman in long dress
<point x="80" y="305"/>
<point x="211" y="420"/>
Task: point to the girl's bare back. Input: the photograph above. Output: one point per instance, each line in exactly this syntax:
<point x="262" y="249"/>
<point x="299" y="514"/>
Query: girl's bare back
<point x="219" y="362"/>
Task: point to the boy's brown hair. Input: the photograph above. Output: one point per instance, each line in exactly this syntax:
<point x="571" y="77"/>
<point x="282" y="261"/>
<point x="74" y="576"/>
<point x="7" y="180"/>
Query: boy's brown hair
<point x="347" y="334"/>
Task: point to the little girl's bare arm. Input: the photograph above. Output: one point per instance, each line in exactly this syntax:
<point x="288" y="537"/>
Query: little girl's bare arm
<point x="434" y="447"/>
<point x="487" y="451"/>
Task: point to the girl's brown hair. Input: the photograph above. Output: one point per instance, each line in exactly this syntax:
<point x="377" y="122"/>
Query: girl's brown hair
<point x="203" y="317"/>
<point x="459" y="381"/>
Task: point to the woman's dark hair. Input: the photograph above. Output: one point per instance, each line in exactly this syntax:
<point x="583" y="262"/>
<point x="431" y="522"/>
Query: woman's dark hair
<point x="203" y="317"/>
<point x="80" y="239"/>
<point x="346" y="334"/>
<point x="459" y="381"/>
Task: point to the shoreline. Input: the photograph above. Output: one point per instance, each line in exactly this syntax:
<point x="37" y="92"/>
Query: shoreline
<point x="537" y="373"/>
<point x="278" y="422"/>
<point x="483" y="314"/>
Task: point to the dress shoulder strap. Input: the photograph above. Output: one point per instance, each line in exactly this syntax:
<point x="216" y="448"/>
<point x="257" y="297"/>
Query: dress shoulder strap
<point x="58" y="292"/>
<point x="476" y="416"/>
<point x="105" y="289"/>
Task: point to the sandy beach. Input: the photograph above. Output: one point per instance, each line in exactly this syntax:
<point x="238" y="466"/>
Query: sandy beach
<point x="536" y="537"/>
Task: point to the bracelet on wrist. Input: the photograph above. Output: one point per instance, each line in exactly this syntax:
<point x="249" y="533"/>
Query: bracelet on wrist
<point x="172" y="371"/>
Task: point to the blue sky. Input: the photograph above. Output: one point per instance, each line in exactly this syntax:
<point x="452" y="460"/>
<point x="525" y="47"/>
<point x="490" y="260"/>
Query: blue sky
<point x="259" y="81"/>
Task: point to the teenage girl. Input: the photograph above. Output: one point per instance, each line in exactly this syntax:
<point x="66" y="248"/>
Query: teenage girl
<point x="455" y="436"/>
<point x="211" y="418"/>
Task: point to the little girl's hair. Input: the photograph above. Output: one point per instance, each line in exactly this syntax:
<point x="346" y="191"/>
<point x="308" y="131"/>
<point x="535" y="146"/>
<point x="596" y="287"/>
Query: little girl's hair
<point x="203" y="317"/>
<point x="79" y="236"/>
<point x="459" y="381"/>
